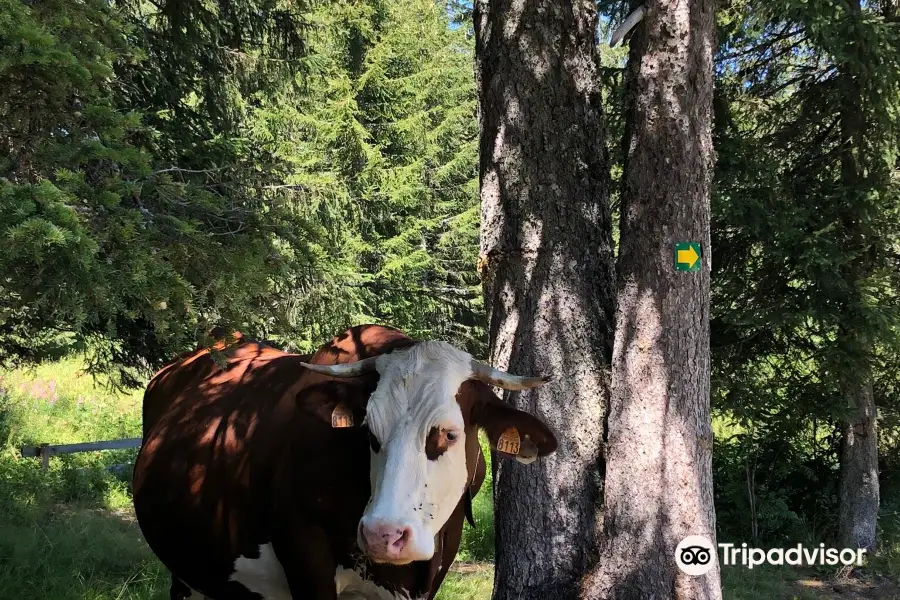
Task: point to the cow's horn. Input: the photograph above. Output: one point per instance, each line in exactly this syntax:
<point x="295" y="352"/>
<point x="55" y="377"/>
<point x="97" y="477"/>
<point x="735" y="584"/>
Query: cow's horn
<point x="502" y="379"/>
<point x="354" y="369"/>
<point x="627" y="25"/>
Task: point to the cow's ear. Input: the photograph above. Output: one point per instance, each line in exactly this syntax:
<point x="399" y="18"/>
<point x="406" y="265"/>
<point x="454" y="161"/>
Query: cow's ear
<point x="340" y="404"/>
<point x="513" y="432"/>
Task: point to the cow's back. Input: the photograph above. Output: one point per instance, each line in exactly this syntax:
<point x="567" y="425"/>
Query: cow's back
<point x="207" y="438"/>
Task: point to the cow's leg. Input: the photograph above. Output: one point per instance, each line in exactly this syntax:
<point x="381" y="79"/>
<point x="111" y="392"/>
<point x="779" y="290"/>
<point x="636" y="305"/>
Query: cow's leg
<point x="309" y="566"/>
<point x="179" y="591"/>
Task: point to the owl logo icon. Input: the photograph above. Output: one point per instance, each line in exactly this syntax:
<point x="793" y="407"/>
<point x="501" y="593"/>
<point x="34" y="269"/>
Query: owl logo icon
<point x="695" y="555"/>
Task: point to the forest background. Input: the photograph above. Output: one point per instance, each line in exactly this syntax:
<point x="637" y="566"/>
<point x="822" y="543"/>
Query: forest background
<point x="293" y="169"/>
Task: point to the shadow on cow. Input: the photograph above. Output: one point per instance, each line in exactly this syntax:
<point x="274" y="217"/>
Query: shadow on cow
<point x="345" y="474"/>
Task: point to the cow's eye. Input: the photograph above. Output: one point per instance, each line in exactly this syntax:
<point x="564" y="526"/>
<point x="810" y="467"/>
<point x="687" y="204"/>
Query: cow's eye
<point x="438" y="441"/>
<point x="374" y="443"/>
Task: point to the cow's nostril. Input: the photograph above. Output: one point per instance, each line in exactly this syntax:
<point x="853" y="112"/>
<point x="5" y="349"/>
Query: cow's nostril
<point x="401" y="539"/>
<point x="385" y="540"/>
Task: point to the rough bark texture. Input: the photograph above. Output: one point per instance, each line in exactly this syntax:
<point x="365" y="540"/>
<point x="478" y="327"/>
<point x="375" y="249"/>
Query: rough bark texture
<point x="858" y="518"/>
<point x="659" y="485"/>
<point x="546" y="263"/>
<point x="857" y="527"/>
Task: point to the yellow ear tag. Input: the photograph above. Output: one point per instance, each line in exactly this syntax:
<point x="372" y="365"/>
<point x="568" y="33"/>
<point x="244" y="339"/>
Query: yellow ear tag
<point x="509" y="442"/>
<point x="528" y="451"/>
<point x="341" y="417"/>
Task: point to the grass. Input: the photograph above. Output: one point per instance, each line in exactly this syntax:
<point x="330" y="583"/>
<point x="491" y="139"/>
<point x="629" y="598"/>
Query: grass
<point x="76" y="552"/>
<point x="69" y="534"/>
<point x="57" y="404"/>
<point x="477" y="544"/>
<point x="472" y="585"/>
<point x="766" y="583"/>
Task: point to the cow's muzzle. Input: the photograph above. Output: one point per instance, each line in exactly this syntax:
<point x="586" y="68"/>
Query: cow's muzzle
<point x="387" y="542"/>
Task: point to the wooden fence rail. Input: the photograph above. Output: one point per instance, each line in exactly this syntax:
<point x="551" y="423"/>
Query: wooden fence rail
<point x="45" y="451"/>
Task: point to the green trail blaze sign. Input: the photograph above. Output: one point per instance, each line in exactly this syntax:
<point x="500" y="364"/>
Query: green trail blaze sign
<point x="688" y="256"/>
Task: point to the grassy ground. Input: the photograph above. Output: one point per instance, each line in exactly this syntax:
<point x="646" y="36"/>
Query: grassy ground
<point x="69" y="534"/>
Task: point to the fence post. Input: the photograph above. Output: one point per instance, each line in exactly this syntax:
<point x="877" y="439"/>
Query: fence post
<point x="45" y="457"/>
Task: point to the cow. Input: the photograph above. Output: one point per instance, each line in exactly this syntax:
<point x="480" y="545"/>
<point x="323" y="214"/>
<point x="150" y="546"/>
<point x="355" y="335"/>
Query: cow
<point x="344" y="475"/>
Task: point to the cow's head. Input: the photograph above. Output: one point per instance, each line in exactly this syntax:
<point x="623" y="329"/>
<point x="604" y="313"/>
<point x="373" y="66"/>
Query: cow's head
<point x="419" y="420"/>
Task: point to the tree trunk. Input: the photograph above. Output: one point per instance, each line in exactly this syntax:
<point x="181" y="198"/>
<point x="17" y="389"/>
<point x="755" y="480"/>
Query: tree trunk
<point x="858" y="518"/>
<point x="659" y="486"/>
<point x="546" y="264"/>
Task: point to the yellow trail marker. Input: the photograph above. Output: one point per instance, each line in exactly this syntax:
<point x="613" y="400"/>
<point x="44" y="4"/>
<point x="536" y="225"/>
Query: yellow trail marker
<point x="687" y="256"/>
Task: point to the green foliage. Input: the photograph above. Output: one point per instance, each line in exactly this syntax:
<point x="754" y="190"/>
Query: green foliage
<point x="806" y="237"/>
<point x="785" y="208"/>
<point x="206" y="63"/>
<point x="775" y="489"/>
<point x="382" y="147"/>
<point x="178" y="168"/>
<point x="103" y="236"/>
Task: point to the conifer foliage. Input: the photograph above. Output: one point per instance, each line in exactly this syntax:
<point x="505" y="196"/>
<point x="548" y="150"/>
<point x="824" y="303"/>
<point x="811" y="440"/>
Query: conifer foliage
<point x="170" y="167"/>
<point x="806" y="236"/>
<point x="381" y="150"/>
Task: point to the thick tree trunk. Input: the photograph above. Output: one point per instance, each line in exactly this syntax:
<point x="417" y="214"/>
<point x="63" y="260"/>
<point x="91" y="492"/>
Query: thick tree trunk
<point x="659" y="486"/>
<point x="858" y="518"/>
<point x="546" y="263"/>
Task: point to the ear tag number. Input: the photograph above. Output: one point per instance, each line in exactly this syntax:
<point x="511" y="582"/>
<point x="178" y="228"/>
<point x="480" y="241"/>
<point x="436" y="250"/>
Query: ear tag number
<point x="341" y="417"/>
<point x="528" y="451"/>
<point x="509" y="442"/>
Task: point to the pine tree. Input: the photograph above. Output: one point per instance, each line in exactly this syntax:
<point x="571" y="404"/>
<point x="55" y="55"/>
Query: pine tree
<point x="546" y="260"/>
<point x="381" y="153"/>
<point x="109" y="240"/>
<point x="807" y="209"/>
<point x="248" y="183"/>
<point x="658" y="487"/>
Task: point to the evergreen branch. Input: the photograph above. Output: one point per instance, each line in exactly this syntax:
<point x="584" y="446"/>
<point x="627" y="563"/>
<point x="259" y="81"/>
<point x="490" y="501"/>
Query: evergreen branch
<point x="768" y="43"/>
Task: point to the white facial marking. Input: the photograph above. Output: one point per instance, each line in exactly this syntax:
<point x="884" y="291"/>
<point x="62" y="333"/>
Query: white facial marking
<point x="351" y="585"/>
<point x="416" y="392"/>
<point x="263" y="575"/>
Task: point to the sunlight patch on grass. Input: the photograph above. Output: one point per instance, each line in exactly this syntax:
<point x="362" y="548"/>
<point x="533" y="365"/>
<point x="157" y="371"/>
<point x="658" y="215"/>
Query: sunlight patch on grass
<point x="56" y="403"/>
<point x="117" y="496"/>
<point x="476" y="585"/>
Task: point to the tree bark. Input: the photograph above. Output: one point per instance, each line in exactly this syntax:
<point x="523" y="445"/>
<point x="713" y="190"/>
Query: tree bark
<point x="859" y="489"/>
<point x="546" y="264"/>
<point x="659" y="486"/>
<point x="858" y="519"/>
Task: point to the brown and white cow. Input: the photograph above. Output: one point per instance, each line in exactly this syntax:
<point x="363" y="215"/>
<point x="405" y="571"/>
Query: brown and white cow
<point x="344" y="475"/>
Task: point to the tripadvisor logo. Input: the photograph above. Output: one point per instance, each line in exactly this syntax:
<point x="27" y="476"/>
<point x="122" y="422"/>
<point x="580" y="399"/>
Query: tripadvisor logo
<point x="696" y="555"/>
